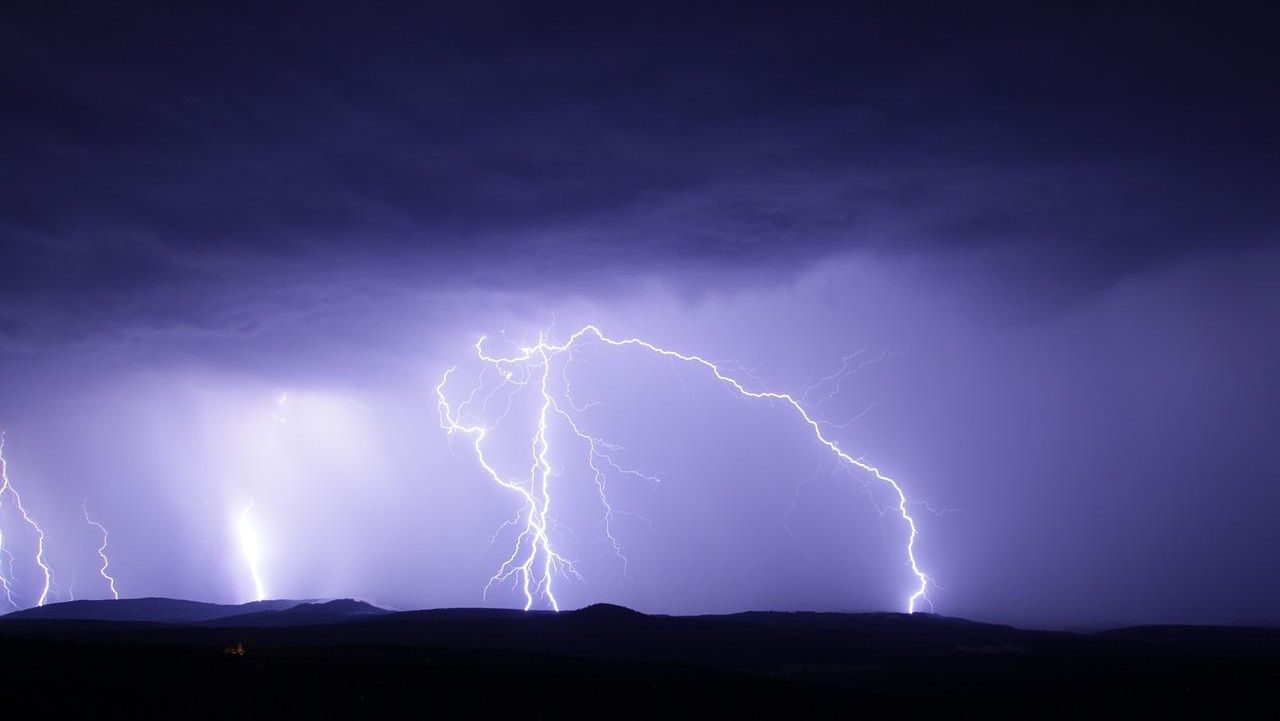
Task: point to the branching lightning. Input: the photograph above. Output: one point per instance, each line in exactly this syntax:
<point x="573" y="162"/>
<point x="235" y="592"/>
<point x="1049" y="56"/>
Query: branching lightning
<point x="102" y="553"/>
<point x="534" y="564"/>
<point x="26" y="517"/>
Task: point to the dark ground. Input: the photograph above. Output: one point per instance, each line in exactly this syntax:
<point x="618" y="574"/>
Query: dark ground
<point x="346" y="659"/>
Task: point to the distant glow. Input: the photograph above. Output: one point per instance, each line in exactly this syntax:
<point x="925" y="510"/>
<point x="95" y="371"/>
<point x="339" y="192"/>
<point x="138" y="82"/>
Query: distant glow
<point x="277" y="415"/>
<point x="26" y="517"/>
<point x="102" y="555"/>
<point x="534" y="563"/>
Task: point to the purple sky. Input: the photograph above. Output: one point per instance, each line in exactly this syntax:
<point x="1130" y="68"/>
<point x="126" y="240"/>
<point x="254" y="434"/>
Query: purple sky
<point x="1059" y="229"/>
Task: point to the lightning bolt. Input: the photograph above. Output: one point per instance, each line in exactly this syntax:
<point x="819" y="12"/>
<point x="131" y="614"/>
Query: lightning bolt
<point x="26" y="517"/>
<point x="5" y="586"/>
<point x="102" y="552"/>
<point x="250" y="545"/>
<point x="534" y="563"/>
<point x="251" y="550"/>
<point x="533" y="546"/>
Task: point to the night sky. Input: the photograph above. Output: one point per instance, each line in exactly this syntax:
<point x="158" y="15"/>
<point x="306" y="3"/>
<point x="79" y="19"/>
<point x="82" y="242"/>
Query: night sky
<point x="1054" y="232"/>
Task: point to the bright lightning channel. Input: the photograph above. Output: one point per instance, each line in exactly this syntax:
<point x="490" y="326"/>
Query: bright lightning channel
<point x="534" y="563"/>
<point x="251" y="550"/>
<point x="102" y="552"/>
<point x="250" y="544"/>
<point x="26" y="517"/>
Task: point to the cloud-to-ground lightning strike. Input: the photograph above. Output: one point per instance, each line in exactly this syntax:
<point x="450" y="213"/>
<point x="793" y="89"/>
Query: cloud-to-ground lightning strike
<point x="250" y="545"/>
<point x="534" y="562"/>
<point x="251" y="551"/>
<point x="102" y="552"/>
<point x="26" y="517"/>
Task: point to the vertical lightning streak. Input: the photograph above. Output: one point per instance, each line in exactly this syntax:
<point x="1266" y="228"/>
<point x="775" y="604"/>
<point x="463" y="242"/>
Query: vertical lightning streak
<point x="543" y="468"/>
<point x="5" y="586"/>
<point x="17" y="502"/>
<point x="250" y="544"/>
<point x="251" y="550"/>
<point x="102" y="553"/>
<point x="533" y="539"/>
<point x="536" y="529"/>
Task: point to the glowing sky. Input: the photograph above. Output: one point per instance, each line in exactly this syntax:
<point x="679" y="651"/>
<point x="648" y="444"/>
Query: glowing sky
<point x="1056" y="232"/>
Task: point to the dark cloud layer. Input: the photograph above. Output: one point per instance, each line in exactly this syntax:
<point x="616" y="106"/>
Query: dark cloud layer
<point x="149" y="145"/>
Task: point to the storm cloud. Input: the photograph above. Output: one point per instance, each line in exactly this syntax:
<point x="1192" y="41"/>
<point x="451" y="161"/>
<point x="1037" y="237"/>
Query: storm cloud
<point x="1061" y="223"/>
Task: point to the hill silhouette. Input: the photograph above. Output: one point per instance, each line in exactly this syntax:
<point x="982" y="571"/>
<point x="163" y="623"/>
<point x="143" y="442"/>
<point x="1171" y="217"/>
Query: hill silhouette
<point x="347" y="657"/>
<point x="303" y="614"/>
<point x="147" y="610"/>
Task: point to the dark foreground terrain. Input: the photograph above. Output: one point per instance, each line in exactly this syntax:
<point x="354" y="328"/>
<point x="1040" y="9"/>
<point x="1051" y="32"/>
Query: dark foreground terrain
<point x="345" y="658"/>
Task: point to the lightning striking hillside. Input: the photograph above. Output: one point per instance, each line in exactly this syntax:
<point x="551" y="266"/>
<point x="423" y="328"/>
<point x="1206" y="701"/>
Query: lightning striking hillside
<point x="7" y="582"/>
<point x="534" y="563"/>
<point x="102" y="552"/>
